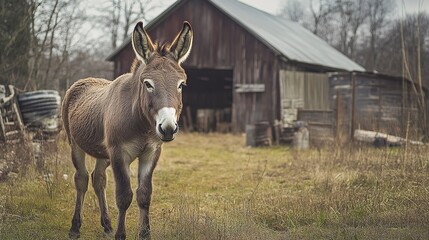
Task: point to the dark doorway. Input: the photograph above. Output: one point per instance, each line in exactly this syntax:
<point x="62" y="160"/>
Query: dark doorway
<point x="207" y="100"/>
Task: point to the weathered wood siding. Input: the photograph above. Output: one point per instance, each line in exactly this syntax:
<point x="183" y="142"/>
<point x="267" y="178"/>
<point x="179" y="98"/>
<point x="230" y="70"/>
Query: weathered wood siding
<point x="334" y="106"/>
<point x="305" y="96"/>
<point x="310" y="89"/>
<point x="321" y="125"/>
<point x="381" y="103"/>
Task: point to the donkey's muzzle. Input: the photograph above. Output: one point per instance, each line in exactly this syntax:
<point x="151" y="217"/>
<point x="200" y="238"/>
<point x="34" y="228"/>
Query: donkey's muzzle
<point x="166" y="124"/>
<point x="168" y="132"/>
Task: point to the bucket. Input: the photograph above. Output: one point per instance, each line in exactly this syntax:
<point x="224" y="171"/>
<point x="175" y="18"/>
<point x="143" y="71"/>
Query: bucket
<point x="301" y="138"/>
<point x="258" y="134"/>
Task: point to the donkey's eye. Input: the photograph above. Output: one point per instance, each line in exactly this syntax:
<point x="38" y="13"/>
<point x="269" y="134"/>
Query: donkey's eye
<point x="149" y="85"/>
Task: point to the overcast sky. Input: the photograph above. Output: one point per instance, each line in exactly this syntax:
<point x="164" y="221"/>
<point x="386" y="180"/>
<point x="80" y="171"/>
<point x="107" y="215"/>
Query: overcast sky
<point x="270" y="6"/>
<point x="273" y="6"/>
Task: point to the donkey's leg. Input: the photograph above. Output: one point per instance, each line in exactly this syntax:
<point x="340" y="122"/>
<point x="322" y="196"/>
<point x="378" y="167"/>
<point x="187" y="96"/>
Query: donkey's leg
<point x="81" y="183"/>
<point x="124" y="195"/>
<point x="147" y="163"/>
<point x="99" y="183"/>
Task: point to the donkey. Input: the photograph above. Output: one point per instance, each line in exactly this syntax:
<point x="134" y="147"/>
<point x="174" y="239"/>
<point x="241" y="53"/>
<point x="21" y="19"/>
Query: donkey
<point x="121" y="120"/>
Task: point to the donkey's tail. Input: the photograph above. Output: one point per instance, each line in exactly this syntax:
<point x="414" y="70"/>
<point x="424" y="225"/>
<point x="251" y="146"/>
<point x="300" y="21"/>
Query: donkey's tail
<point x="65" y="112"/>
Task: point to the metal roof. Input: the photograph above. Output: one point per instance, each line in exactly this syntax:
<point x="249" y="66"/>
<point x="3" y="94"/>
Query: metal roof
<point x="284" y="37"/>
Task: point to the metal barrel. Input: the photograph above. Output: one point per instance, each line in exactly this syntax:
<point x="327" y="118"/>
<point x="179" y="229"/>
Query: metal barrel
<point x="258" y="134"/>
<point x="40" y="109"/>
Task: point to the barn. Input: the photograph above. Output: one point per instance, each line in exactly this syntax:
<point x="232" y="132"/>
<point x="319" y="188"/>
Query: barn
<point x="237" y="57"/>
<point x="248" y="66"/>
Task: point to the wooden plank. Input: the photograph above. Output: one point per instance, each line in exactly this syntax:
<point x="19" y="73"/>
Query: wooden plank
<point x="316" y="111"/>
<point x="19" y="119"/>
<point x="321" y="124"/>
<point x="249" y="88"/>
<point x="317" y="119"/>
<point x="353" y="104"/>
<point x="2" y="128"/>
<point x="371" y="136"/>
<point x="189" y="119"/>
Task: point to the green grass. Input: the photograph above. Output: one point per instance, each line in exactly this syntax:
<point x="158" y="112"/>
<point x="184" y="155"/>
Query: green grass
<point x="213" y="187"/>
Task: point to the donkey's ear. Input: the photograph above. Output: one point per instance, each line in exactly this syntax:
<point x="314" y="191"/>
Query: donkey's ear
<point x="182" y="44"/>
<point x="142" y="44"/>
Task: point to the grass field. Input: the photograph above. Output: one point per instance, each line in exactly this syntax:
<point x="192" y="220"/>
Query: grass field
<point x="213" y="187"/>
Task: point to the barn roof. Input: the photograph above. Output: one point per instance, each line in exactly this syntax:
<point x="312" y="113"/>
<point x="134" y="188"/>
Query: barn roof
<point x="284" y="37"/>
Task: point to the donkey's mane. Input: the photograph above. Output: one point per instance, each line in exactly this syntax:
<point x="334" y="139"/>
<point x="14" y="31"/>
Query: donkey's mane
<point x="163" y="50"/>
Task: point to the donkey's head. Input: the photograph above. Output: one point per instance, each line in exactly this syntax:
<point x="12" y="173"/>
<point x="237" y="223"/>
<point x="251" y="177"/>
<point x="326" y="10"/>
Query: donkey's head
<point x="162" y="78"/>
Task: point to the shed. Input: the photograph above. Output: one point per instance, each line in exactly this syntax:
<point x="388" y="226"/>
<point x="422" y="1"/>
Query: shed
<point x="336" y="104"/>
<point x="378" y="102"/>
<point x="238" y="59"/>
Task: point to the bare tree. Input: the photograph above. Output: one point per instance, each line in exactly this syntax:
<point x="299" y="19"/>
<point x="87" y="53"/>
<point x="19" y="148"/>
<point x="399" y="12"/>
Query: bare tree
<point x="352" y="16"/>
<point x="321" y="13"/>
<point x="405" y="49"/>
<point x="378" y="13"/>
<point x="317" y="17"/>
<point x="293" y="10"/>
<point x="55" y="29"/>
<point x="117" y="16"/>
<point x="15" y="37"/>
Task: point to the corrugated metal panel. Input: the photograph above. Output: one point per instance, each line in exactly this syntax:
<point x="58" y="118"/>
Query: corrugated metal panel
<point x="292" y="85"/>
<point x="316" y="91"/>
<point x="286" y="37"/>
<point x="304" y="90"/>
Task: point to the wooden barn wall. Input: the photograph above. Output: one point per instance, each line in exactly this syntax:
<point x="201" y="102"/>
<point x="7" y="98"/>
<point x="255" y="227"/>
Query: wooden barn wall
<point x="341" y="103"/>
<point x="123" y="61"/>
<point x="305" y="97"/>
<point x="297" y="70"/>
<point x="221" y="43"/>
<point x="381" y="104"/>
<point x="321" y="125"/>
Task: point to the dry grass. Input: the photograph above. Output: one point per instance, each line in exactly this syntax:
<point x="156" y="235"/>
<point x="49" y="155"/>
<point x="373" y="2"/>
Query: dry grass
<point x="212" y="187"/>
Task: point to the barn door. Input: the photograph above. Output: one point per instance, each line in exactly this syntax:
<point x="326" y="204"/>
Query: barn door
<point x="302" y="90"/>
<point x="291" y="95"/>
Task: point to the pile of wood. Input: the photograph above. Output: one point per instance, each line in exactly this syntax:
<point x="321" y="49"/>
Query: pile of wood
<point x="26" y="120"/>
<point x="11" y="124"/>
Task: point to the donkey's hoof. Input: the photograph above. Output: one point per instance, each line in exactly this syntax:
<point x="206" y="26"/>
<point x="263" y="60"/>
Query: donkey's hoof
<point x="144" y="234"/>
<point x="107" y="225"/>
<point x="74" y="235"/>
<point x="108" y="229"/>
<point x="144" y="237"/>
<point x="120" y="236"/>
